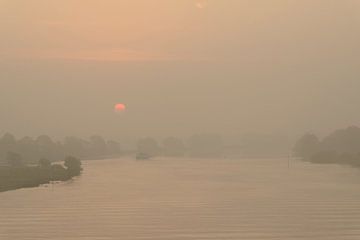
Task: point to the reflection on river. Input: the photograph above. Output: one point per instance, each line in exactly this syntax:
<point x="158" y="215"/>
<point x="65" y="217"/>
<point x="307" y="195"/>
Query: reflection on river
<point x="174" y="199"/>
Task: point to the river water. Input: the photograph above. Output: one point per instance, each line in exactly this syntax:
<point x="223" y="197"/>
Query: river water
<point x="172" y="199"/>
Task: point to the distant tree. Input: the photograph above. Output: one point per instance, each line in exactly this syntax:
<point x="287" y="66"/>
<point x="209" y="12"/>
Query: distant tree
<point x="8" y="139"/>
<point x="307" y="146"/>
<point x="206" y="145"/>
<point x="28" y="148"/>
<point x="14" y="159"/>
<point x="7" y="144"/>
<point x="73" y="165"/>
<point x="74" y="146"/>
<point x="98" y="146"/>
<point x="263" y="145"/>
<point x="326" y="156"/>
<point x="58" y="172"/>
<point x="343" y="140"/>
<point x="173" y="147"/>
<point x="44" y="163"/>
<point x="148" y="146"/>
<point x="349" y="158"/>
<point x="341" y="146"/>
<point x="113" y="147"/>
<point x="47" y="148"/>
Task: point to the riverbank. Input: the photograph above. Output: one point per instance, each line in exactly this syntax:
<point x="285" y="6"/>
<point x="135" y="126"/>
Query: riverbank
<point x="12" y="178"/>
<point x="330" y="157"/>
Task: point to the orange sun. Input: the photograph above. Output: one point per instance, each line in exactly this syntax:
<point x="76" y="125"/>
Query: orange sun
<point x="201" y="4"/>
<point x="119" y="107"/>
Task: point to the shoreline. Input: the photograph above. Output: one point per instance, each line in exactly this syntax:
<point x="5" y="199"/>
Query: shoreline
<point x="29" y="177"/>
<point x="12" y="178"/>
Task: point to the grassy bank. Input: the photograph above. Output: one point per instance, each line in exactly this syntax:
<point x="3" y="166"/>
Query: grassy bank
<point x="12" y="178"/>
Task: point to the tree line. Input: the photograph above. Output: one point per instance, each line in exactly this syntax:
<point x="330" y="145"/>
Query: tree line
<point x="17" y="175"/>
<point x="202" y="145"/>
<point x="31" y="150"/>
<point x="341" y="147"/>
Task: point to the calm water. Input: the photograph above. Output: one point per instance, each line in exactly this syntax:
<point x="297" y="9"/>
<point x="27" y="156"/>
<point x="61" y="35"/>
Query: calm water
<point x="189" y="199"/>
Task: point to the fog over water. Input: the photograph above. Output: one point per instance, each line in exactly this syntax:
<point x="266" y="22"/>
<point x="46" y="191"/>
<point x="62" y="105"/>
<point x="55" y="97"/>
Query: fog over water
<point x="169" y="198"/>
<point x="179" y="119"/>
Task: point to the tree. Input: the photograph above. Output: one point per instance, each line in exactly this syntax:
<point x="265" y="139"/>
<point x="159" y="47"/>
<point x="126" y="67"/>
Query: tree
<point x="73" y="165"/>
<point x="74" y="146"/>
<point x="326" y="156"/>
<point x="206" y="145"/>
<point x="28" y="148"/>
<point x="173" y="147"/>
<point x="307" y="146"/>
<point x="113" y="147"/>
<point x="98" y="146"/>
<point x="343" y="140"/>
<point x="7" y="144"/>
<point x="14" y="159"/>
<point x="47" y="148"/>
<point x="44" y="163"/>
<point x="58" y="172"/>
<point x="8" y="139"/>
<point x="148" y="146"/>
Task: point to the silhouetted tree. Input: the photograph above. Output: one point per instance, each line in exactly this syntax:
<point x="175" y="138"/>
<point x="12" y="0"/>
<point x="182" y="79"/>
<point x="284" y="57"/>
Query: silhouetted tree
<point x="44" y="163"/>
<point x="173" y="147"/>
<point x="307" y="146"/>
<point x="326" y="156"/>
<point x="7" y="144"/>
<point x="58" y="172"/>
<point x="74" y="146"/>
<point x="8" y="139"/>
<point x="47" y="148"/>
<point x="206" y="145"/>
<point x="28" y="148"/>
<point x="113" y="147"/>
<point x="148" y="146"/>
<point x="44" y="147"/>
<point x="73" y="165"/>
<point x="98" y="146"/>
<point x="341" y="146"/>
<point x="264" y="145"/>
<point x="14" y="159"/>
<point x="343" y="141"/>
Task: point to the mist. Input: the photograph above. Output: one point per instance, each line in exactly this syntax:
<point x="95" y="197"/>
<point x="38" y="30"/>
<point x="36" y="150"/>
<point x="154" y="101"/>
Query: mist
<point x="232" y="68"/>
<point x="179" y="119"/>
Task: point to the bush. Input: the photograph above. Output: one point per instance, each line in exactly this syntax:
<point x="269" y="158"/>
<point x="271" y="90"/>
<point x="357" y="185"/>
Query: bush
<point x="73" y="166"/>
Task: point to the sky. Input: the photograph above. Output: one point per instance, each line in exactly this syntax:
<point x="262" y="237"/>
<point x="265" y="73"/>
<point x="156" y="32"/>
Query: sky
<point x="180" y="66"/>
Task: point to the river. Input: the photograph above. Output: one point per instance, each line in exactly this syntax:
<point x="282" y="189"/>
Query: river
<point x="188" y="199"/>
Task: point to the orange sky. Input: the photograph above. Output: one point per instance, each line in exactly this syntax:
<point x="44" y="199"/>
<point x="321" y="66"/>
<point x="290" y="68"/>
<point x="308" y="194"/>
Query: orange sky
<point x="228" y="66"/>
<point x="126" y="30"/>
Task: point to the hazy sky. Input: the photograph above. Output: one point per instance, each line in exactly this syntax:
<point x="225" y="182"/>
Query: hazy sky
<point x="180" y="66"/>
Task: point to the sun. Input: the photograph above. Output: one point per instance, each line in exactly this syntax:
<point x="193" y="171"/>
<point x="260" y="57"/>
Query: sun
<point x="119" y="108"/>
<point x="201" y="4"/>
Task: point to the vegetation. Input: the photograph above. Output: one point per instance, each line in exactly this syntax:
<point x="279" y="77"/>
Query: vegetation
<point x="17" y="175"/>
<point x="197" y="146"/>
<point x="14" y="159"/>
<point x="73" y="166"/>
<point x="206" y="145"/>
<point x="307" y="146"/>
<point x="43" y="147"/>
<point x="173" y="147"/>
<point x="340" y="147"/>
<point x="148" y="147"/>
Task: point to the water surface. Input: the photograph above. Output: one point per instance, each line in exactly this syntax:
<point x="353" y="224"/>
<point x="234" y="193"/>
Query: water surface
<point x="189" y="199"/>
